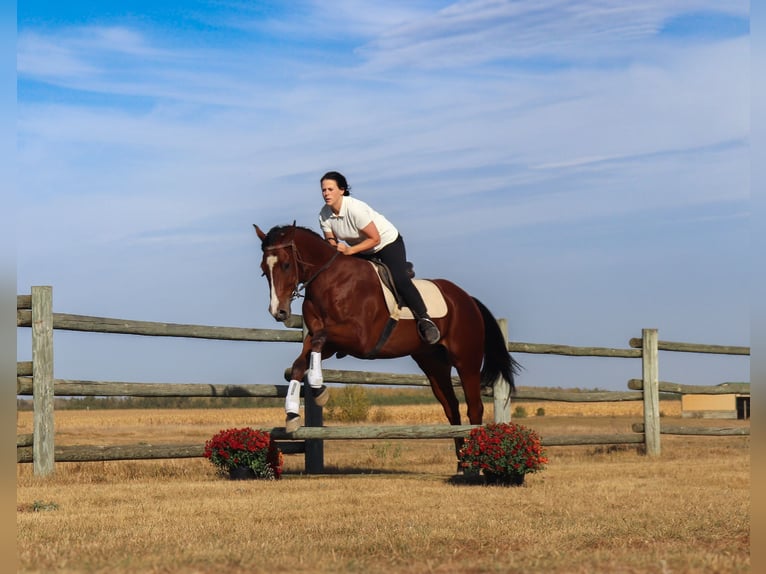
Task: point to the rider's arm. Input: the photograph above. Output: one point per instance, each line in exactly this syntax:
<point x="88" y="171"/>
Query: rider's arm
<point x="330" y="238"/>
<point x="371" y="239"/>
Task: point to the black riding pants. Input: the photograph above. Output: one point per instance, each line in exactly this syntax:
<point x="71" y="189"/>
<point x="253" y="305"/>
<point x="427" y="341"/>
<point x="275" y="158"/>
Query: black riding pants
<point x="394" y="255"/>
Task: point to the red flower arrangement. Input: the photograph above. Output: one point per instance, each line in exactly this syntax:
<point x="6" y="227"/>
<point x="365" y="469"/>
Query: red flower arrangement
<point x="248" y="448"/>
<point x="503" y="450"/>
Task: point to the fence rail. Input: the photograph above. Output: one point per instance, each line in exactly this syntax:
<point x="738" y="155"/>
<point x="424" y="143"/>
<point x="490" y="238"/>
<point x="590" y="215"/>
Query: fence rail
<point x="567" y="350"/>
<point x="35" y="378"/>
<point x="69" y="388"/>
<point x="722" y="389"/>
<point x="699" y="431"/>
<point x="88" y="324"/>
<point x="695" y="348"/>
<point x="90" y="453"/>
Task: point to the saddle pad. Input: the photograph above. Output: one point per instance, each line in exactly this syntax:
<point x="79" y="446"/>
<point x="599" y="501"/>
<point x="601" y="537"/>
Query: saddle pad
<point x="432" y="297"/>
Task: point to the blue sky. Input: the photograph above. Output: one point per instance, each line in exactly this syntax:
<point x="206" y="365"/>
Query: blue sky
<point x="580" y="167"/>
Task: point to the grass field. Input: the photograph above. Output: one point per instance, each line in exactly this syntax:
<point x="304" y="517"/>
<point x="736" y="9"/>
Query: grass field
<point x="388" y="506"/>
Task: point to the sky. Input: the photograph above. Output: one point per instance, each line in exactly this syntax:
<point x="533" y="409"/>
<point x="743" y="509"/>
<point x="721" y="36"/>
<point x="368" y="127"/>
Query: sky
<point x="581" y="167"/>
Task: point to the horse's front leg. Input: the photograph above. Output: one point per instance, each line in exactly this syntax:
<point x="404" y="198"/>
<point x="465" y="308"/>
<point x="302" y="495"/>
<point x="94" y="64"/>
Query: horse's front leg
<point x="308" y="363"/>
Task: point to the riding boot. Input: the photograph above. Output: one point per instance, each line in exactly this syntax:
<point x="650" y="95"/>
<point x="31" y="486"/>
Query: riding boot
<point x="428" y="330"/>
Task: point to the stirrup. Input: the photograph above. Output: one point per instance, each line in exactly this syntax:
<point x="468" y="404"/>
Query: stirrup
<point x="428" y="331"/>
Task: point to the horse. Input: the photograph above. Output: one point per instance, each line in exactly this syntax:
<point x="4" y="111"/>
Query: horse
<point x="345" y="313"/>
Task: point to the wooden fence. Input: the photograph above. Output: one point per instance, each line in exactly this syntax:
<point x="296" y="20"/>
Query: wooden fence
<point x="36" y="378"/>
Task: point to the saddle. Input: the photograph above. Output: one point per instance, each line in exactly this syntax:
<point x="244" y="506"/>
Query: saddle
<point x="387" y="280"/>
<point x="397" y="308"/>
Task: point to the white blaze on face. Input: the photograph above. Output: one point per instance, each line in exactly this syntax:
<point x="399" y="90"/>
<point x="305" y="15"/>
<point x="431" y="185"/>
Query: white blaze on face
<point x="271" y="260"/>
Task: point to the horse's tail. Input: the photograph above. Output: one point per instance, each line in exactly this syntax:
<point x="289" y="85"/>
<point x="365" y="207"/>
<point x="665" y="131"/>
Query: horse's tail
<point x="498" y="362"/>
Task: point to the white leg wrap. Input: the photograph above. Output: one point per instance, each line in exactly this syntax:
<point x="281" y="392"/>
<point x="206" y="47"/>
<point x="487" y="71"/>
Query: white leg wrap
<point x="293" y="399"/>
<point x="314" y="374"/>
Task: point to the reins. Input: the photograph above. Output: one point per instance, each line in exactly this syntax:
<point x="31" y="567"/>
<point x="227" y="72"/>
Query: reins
<point x="301" y="285"/>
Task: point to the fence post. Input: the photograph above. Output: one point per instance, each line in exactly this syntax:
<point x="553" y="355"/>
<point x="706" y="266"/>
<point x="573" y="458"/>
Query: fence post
<point x="502" y="390"/>
<point x="42" y="380"/>
<point x="650" y="370"/>
<point x="314" y="448"/>
<point x="314" y="453"/>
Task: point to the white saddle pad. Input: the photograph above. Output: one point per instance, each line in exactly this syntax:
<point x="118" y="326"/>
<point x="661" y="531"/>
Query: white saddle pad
<point x="432" y="296"/>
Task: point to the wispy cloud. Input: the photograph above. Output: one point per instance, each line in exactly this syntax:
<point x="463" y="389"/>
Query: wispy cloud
<point x="476" y="32"/>
<point x="82" y="51"/>
<point x="47" y="59"/>
<point x="216" y="122"/>
<point x="207" y="131"/>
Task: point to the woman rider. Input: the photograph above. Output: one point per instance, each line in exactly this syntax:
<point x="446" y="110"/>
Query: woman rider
<point x="366" y="232"/>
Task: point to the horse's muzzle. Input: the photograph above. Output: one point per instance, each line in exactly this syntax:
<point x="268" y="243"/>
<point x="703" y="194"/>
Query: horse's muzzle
<point x="282" y="315"/>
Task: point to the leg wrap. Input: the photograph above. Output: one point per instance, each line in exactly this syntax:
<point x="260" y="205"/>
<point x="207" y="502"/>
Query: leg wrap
<point x="314" y="374"/>
<point x="293" y="399"/>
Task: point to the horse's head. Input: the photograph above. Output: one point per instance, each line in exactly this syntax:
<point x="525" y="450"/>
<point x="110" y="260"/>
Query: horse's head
<point x="292" y="258"/>
<point x="280" y="266"/>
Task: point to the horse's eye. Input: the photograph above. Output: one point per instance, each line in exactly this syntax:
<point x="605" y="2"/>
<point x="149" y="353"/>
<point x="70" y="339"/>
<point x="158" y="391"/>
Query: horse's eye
<point x="285" y="266"/>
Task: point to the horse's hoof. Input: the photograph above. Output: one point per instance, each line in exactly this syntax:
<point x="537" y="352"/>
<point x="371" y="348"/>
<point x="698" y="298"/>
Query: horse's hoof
<point x="292" y="422"/>
<point x="321" y="395"/>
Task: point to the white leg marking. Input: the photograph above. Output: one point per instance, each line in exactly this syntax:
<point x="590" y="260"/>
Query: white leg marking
<point x="293" y="398"/>
<point x="315" y="376"/>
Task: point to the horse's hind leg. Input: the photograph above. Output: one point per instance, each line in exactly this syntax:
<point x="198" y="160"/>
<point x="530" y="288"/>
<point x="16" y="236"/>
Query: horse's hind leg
<point x="469" y="372"/>
<point x="437" y="368"/>
<point x="471" y="382"/>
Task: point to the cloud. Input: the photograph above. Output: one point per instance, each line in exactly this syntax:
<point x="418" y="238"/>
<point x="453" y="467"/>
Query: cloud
<point x="46" y="59"/>
<point x="212" y="138"/>
<point x="80" y="52"/>
<point x="545" y="32"/>
<point x="190" y="124"/>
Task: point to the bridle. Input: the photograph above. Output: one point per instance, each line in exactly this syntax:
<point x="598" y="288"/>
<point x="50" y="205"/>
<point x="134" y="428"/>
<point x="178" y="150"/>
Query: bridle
<point x="301" y="285"/>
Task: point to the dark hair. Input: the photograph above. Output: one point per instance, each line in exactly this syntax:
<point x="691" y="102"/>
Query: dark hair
<point x="338" y="178"/>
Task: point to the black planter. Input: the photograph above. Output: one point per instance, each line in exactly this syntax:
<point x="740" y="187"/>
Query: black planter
<point x="241" y="473"/>
<point x="512" y="479"/>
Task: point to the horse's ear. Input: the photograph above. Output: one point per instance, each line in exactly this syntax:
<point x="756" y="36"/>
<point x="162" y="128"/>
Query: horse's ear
<point x="260" y="233"/>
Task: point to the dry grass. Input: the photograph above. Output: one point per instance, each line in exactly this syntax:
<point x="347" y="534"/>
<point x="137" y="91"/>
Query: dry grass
<point x="386" y="506"/>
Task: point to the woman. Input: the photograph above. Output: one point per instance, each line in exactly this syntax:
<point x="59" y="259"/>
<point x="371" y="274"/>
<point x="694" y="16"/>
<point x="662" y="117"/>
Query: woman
<point x="366" y="232"/>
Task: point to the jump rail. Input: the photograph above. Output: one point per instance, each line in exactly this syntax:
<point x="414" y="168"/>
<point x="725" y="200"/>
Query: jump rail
<point x="35" y="378"/>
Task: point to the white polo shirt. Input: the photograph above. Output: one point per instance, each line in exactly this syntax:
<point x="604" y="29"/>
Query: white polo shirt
<point x="355" y="215"/>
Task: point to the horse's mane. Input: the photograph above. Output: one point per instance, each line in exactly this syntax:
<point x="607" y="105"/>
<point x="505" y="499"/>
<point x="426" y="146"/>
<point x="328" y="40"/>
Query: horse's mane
<point x="277" y="233"/>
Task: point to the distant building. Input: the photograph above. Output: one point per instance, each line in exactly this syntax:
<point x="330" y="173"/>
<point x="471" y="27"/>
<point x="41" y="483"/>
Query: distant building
<point x="731" y="406"/>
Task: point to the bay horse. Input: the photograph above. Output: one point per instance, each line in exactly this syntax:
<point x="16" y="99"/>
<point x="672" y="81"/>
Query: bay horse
<point x="345" y="313"/>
